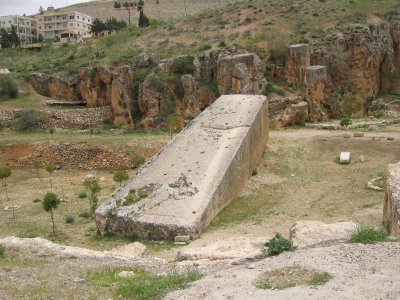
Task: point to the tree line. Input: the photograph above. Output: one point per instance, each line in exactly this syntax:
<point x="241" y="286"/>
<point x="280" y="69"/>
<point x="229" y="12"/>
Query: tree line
<point x="9" y="40"/>
<point x="110" y="25"/>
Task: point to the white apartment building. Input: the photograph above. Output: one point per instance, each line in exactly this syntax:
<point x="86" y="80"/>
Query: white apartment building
<point x="25" y="27"/>
<point x="56" y="24"/>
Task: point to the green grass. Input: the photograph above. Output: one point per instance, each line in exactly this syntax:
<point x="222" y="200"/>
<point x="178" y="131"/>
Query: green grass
<point x="2" y="251"/>
<point x="368" y="236"/>
<point x="142" y="285"/>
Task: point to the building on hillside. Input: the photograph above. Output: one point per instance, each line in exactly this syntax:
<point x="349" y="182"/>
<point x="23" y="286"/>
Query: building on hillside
<point x="65" y="26"/>
<point x="25" y="27"/>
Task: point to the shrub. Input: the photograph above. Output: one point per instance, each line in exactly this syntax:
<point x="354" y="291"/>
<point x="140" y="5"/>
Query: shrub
<point x="120" y="176"/>
<point x="8" y="87"/>
<point x="82" y="195"/>
<point x="32" y="119"/>
<point x="346" y="121"/>
<point x="278" y="245"/>
<point x="183" y="65"/>
<point x="368" y="236"/>
<point x="37" y="200"/>
<point x="2" y="251"/>
<point x="69" y="219"/>
<point x="379" y="114"/>
<point x="137" y="160"/>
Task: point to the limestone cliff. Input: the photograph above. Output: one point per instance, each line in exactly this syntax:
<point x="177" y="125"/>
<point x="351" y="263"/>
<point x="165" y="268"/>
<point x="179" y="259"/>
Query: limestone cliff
<point x="183" y="86"/>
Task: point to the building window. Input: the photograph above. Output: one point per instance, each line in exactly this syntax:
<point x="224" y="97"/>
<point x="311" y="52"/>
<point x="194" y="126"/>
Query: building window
<point x="71" y="24"/>
<point x="78" y="25"/>
<point x="83" y="19"/>
<point x="40" y="20"/>
<point x="40" y="27"/>
<point x="88" y="20"/>
<point x="71" y="17"/>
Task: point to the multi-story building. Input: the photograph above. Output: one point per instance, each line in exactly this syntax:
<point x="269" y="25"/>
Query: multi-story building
<point x="24" y="26"/>
<point x="57" y="24"/>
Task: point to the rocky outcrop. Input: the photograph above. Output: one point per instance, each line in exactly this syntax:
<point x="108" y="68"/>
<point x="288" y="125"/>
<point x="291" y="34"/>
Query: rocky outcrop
<point x="391" y="205"/>
<point x="56" y="86"/>
<point x="364" y="59"/>
<point x="240" y="74"/>
<point x="296" y="63"/>
<point x="183" y="86"/>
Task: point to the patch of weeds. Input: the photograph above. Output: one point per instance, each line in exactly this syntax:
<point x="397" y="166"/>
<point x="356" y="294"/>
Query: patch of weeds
<point x="368" y="236"/>
<point x="137" y="161"/>
<point x="82" y="195"/>
<point x="279" y="244"/>
<point x="2" y="251"/>
<point x="142" y="285"/>
<point x="85" y="215"/>
<point x="37" y="200"/>
<point x="288" y="277"/>
<point x="69" y="219"/>
<point x="30" y="232"/>
<point x="130" y="199"/>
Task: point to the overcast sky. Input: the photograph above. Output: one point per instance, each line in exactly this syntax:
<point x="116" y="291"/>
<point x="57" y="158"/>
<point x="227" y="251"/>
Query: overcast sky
<point x="30" y="7"/>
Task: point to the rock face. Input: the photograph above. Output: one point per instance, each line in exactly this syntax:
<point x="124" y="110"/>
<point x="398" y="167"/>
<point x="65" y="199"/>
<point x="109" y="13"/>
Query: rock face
<point x="296" y="63"/>
<point x="240" y="74"/>
<point x="306" y="234"/>
<point x="55" y="86"/>
<point x="391" y="205"/>
<point x="197" y="174"/>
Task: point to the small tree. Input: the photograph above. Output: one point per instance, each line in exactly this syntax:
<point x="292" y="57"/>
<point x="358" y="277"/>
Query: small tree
<point x="14" y="37"/>
<point x="50" y="169"/>
<point x="143" y="20"/>
<point x="120" y="176"/>
<point x="94" y="188"/>
<point x="5" y="172"/>
<point x="346" y="121"/>
<point x="51" y="131"/>
<point x="50" y="202"/>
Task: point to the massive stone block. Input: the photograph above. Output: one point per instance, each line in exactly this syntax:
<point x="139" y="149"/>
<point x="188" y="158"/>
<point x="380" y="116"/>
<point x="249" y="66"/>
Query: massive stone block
<point x="391" y="205"/>
<point x="181" y="189"/>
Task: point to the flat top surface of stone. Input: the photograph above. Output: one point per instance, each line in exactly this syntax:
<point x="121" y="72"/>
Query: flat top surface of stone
<point x="345" y="156"/>
<point x="190" y="167"/>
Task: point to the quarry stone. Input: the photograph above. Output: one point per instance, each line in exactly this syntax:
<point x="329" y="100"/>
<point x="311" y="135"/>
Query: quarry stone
<point x="358" y="134"/>
<point x="391" y="205"/>
<point x="345" y="157"/>
<point x="314" y="233"/>
<point x="182" y="188"/>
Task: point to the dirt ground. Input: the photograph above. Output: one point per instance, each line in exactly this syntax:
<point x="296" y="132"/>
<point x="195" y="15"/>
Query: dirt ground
<point x="298" y="179"/>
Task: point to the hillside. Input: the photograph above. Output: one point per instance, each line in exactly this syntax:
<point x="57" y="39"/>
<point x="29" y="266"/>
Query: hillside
<point x="165" y="10"/>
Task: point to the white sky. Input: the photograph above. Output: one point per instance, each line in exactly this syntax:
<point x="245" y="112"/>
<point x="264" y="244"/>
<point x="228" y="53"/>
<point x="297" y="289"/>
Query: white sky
<point x="30" y="7"/>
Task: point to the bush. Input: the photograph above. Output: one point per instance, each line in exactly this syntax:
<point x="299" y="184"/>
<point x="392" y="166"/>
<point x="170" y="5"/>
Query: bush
<point x="183" y="65"/>
<point x="2" y="251"/>
<point x="8" y="87"/>
<point x="82" y="195"/>
<point x="32" y="119"/>
<point x="368" y="236"/>
<point x="278" y="245"/>
<point x="137" y="160"/>
<point x="69" y="219"/>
